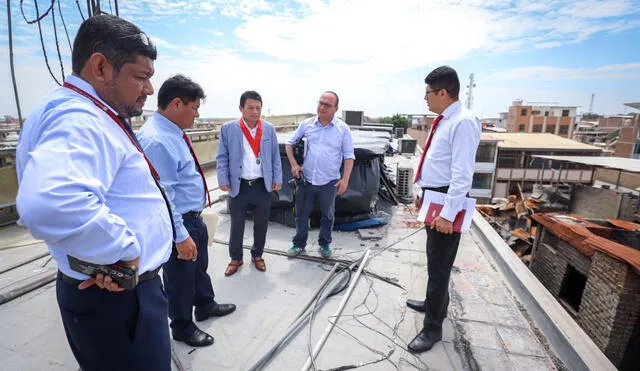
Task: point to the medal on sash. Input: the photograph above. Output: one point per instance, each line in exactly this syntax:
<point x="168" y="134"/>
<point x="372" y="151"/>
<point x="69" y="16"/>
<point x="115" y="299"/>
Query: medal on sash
<point x="253" y="142"/>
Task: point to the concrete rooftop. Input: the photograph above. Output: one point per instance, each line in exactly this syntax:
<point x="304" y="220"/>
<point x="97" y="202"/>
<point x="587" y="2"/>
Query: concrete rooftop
<point x="488" y="327"/>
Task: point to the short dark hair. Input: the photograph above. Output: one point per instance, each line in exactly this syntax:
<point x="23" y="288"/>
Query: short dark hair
<point x="334" y="94"/>
<point x="120" y="41"/>
<point x="179" y="86"/>
<point x="444" y="77"/>
<point x="250" y="94"/>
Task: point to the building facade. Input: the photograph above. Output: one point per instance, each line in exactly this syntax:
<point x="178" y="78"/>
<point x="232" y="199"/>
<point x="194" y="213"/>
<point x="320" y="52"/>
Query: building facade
<point x="517" y="167"/>
<point x="628" y="144"/>
<point x="558" y="120"/>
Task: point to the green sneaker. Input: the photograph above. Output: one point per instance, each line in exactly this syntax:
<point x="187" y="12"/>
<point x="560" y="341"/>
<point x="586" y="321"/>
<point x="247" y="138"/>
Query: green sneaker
<point x="325" y="251"/>
<point x="295" y="250"/>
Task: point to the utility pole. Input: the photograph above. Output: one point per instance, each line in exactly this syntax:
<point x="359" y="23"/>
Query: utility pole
<point x="13" y="72"/>
<point x="471" y="85"/>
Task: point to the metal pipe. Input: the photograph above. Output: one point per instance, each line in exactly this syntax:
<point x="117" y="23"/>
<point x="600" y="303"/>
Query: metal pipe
<point x="266" y="357"/>
<point x="24" y="262"/>
<point x="315" y="294"/>
<point x="33" y="283"/>
<point x="334" y="319"/>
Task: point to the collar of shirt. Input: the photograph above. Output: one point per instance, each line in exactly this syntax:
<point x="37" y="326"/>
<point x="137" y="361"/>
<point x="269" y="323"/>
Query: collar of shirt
<point x="252" y="131"/>
<point x="332" y="122"/>
<point x="80" y="83"/>
<point x="453" y="108"/>
<point x="166" y="124"/>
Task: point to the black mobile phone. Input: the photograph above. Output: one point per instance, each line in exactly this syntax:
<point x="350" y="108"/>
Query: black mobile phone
<point x="125" y="276"/>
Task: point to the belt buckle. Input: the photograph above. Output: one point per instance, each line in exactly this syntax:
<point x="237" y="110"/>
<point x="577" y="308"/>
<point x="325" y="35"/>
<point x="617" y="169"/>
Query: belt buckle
<point x="250" y="182"/>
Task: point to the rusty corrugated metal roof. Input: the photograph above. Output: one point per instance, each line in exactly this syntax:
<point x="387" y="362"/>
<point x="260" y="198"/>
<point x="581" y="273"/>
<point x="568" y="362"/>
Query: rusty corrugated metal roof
<point x="576" y="232"/>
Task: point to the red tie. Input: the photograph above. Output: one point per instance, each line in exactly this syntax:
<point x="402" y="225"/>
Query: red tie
<point x="195" y="158"/>
<point x="426" y="146"/>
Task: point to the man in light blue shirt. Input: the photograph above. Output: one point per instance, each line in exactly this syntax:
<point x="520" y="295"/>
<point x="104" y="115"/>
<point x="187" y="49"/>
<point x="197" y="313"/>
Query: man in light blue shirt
<point x="169" y="149"/>
<point x="329" y="145"/>
<point x="87" y="190"/>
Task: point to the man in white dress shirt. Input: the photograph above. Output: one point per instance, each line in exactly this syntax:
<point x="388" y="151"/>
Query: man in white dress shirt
<point x="447" y="166"/>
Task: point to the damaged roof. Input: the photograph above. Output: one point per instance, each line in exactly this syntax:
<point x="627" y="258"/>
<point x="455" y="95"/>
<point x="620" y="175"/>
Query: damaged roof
<point x="578" y="232"/>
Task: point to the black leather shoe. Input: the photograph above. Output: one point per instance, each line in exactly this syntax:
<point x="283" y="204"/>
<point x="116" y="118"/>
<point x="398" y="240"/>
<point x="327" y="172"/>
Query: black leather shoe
<point x="218" y="311"/>
<point x="198" y="339"/>
<point x="418" y="305"/>
<point x="424" y="341"/>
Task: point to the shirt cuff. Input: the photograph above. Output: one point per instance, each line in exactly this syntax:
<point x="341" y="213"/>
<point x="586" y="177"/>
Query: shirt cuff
<point x="181" y="234"/>
<point x="448" y="213"/>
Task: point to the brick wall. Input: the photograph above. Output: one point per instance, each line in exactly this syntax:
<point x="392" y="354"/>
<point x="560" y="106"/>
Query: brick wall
<point x="609" y="310"/>
<point x="549" y="264"/>
<point x="598" y="203"/>
<point x="628" y="207"/>
<point x="627" y="180"/>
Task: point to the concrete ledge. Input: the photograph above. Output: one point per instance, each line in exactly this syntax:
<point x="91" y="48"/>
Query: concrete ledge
<point x="565" y="337"/>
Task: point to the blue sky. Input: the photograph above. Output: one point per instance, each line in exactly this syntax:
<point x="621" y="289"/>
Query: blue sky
<point x="374" y="54"/>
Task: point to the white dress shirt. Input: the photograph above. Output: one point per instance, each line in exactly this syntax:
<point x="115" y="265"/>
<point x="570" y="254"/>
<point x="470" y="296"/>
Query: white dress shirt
<point x="250" y="168"/>
<point x="451" y="156"/>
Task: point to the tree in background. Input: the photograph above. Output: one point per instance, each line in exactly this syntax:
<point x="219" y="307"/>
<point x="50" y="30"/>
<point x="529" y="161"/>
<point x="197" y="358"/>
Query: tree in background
<point x="397" y="121"/>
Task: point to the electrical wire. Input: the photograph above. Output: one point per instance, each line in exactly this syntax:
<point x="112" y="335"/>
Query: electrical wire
<point x="37" y="20"/>
<point x="394" y="332"/>
<point x="394" y="329"/>
<point x="336" y="289"/>
<point x="38" y="17"/>
<point x="55" y="35"/>
<point x="65" y="26"/>
<point x="80" y="10"/>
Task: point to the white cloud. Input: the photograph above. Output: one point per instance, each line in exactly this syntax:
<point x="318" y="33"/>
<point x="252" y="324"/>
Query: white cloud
<point x="401" y="35"/>
<point x="375" y="54"/>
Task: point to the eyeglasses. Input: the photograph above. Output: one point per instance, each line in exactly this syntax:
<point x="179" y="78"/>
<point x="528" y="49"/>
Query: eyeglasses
<point x="324" y="104"/>
<point x="434" y="91"/>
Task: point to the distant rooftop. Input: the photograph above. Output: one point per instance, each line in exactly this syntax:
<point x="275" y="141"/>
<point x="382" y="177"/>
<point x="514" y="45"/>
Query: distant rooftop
<point x="618" y="163"/>
<point x="541" y="141"/>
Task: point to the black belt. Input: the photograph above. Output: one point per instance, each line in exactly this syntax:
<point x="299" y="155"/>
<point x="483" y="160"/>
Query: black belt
<point x="252" y="182"/>
<point x="443" y="189"/>
<point x="146" y="276"/>
<point x="191" y="215"/>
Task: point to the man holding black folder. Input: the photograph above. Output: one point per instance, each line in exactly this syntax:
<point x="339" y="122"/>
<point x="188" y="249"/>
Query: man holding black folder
<point x="446" y="166"/>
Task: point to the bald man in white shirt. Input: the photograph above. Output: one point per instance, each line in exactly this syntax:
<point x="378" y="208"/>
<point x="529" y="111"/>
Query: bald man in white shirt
<point x="446" y="166"/>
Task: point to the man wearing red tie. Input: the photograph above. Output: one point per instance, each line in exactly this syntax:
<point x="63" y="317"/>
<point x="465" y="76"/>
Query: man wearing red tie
<point x="249" y="168"/>
<point x="169" y="149"/>
<point x="446" y="166"/>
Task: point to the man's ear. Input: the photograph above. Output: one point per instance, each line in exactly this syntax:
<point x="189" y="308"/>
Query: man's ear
<point x="175" y="103"/>
<point x="99" y="68"/>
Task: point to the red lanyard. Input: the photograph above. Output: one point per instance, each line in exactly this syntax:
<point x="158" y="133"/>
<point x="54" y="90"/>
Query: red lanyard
<point x="117" y="120"/>
<point x="253" y="142"/>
